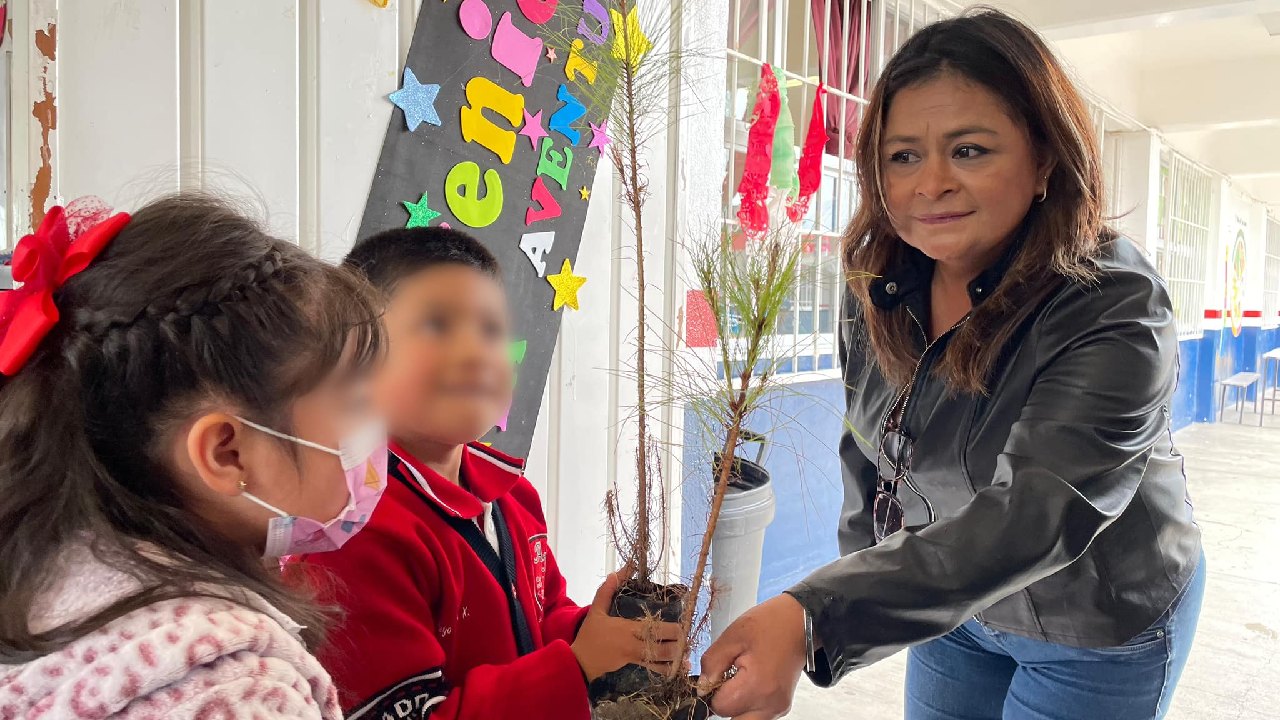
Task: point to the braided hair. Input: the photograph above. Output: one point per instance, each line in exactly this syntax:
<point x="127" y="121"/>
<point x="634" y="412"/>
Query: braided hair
<point x="191" y="303"/>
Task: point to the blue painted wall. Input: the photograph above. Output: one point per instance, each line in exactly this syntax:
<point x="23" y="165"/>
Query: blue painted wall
<point x="1211" y="358"/>
<point x="1184" y="398"/>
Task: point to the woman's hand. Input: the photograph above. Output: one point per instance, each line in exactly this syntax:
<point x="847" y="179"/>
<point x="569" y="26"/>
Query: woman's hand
<point x="767" y="647"/>
<point x="605" y="643"/>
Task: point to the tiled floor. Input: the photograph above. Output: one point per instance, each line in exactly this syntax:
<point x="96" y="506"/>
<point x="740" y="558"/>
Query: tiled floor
<point x="1234" y="670"/>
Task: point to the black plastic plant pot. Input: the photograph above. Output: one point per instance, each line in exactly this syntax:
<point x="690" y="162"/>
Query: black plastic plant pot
<point x="695" y="708"/>
<point x="744" y="475"/>
<point x="636" y="601"/>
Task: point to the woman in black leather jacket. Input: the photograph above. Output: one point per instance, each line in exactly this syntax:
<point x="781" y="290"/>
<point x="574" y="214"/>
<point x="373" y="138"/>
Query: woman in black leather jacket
<point x="1015" y="512"/>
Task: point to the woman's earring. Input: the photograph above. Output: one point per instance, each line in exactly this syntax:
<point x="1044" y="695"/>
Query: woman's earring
<point x="1044" y="194"/>
<point x="243" y="486"/>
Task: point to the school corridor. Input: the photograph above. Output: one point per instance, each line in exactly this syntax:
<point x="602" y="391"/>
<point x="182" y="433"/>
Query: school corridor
<point x="1234" y="671"/>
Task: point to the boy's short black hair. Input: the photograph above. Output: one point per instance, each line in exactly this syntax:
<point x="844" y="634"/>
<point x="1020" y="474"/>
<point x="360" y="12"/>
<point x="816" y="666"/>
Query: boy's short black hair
<point x="391" y="255"/>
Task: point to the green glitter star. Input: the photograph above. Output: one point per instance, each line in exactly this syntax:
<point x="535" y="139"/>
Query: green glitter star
<point x="420" y="214"/>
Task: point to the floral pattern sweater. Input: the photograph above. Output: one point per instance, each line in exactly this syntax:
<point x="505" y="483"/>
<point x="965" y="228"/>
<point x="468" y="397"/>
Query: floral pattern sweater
<point x="206" y="658"/>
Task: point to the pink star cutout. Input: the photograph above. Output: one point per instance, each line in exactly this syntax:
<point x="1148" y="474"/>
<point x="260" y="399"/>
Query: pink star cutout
<point x="551" y="55"/>
<point x="599" y="135"/>
<point x="533" y="128"/>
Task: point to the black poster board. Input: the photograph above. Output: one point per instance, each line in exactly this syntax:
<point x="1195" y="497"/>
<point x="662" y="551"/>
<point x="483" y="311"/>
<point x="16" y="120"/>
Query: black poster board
<point x="490" y="69"/>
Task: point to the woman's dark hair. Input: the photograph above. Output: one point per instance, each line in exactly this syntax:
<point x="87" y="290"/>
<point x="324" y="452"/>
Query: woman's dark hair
<point x="1061" y="236"/>
<point x="191" y="304"/>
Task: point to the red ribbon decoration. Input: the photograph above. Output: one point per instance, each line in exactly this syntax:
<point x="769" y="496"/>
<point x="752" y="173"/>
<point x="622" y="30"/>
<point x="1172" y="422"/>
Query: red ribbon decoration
<point x="42" y="262"/>
<point x="753" y="213"/>
<point x="811" y="159"/>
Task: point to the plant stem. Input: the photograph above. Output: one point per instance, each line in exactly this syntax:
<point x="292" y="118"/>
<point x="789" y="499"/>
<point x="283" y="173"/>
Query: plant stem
<point x="635" y="199"/>
<point x="727" y="458"/>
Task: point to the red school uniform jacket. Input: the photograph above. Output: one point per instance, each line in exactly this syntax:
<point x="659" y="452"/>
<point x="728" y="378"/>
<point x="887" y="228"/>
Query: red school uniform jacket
<point x="428" y="628"/>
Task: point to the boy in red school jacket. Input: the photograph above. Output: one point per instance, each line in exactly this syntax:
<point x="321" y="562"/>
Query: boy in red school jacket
<point x="454" y="606"/>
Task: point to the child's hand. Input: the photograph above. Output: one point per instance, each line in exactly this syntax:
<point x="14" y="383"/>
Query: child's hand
<point x="605" y="643"/>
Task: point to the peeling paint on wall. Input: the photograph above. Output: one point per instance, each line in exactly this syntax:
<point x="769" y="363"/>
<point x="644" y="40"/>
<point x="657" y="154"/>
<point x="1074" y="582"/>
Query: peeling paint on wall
<point x="45" y="111"/>
<point x="47" y="42"/>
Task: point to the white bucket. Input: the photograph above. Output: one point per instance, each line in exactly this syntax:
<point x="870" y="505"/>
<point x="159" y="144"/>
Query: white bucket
<point x="736" y="549"/>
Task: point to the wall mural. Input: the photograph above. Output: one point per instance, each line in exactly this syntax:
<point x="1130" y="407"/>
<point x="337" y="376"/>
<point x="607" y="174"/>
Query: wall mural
<point x="1235" y="284"/>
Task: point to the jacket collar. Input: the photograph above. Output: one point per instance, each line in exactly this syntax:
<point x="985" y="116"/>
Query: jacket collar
<point x="909" y="282"/>
<point x="486" y="475"/>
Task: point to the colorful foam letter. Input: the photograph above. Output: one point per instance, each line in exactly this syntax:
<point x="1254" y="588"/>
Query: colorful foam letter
<point x="535" y="245"/>
<point x="516" y="51"/>
<point x="484" y="94"/>
<point x="476" y="19"/>
<point x="594" y="9"/>
<point x="548" y="206"/>
<point x="538" y="12"/>
<point x="577" y="63"/>
<point x="475" y="201"/>
<point x="562" y="121"/>
<point x="555" y="164"/>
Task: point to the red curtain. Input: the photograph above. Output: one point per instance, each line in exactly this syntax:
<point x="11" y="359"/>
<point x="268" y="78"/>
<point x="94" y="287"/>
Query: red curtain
<point x="840" y="65"/>
<point x="749" y="22"/>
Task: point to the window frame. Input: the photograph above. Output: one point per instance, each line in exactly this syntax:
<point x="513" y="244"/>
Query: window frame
<point x="813" y="354"/>
<point x="1271" y="275"/>
<point x="1185" y="239"/>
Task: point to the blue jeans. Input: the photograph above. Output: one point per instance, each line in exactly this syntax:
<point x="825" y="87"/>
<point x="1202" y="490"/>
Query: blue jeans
<point x="977" y="673"/>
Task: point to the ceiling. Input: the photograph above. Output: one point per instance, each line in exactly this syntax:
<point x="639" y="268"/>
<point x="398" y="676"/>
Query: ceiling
<point x="1205" y="73"/>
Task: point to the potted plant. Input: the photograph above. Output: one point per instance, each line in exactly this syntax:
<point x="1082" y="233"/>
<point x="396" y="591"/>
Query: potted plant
<point x="745" y="291"/>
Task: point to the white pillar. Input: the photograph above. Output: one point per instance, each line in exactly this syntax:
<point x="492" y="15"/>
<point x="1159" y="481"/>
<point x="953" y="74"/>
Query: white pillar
<point x="1132" y="166"/>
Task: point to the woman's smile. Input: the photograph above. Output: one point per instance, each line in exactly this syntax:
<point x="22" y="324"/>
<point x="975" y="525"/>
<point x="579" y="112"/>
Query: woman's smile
<point x="943" y="218"/>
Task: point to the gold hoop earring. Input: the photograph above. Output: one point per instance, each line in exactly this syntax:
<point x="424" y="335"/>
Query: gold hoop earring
<point x="1044" y="194"/>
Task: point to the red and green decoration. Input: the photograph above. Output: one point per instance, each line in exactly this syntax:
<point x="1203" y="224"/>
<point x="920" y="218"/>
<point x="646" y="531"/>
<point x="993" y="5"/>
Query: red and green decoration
<point x="487" y="136"/>
<point x="771" y="156"/>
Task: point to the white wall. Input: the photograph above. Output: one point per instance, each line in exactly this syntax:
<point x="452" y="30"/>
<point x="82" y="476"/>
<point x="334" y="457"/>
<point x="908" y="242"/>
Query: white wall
<point x="1255" y="267"/>
<point x="286" y="100"/>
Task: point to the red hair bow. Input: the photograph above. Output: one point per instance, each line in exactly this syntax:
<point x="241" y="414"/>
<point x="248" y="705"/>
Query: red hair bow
<point x="42" y="262"/>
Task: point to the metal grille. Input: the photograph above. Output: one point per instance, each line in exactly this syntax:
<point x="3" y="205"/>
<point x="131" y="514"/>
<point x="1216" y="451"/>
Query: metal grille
<point x="1182" y="256"/>
<point x="783" y="34"/>
<point x="1271" y="277"/>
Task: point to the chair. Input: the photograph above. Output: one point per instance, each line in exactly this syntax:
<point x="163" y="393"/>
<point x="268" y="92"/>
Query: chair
<point x="1270" y="383"/>
<point x="1241" y="382"/>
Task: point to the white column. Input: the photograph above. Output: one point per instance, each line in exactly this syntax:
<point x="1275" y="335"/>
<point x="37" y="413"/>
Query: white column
<point x="1132" y="165"/>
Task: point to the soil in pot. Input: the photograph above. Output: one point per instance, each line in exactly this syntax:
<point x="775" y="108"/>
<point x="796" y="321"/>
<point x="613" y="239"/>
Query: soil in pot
<point x="669" y="700"/>
<point x="638" y="600"/>
<point x="634" y="693"/>
<point x="743" y="475"/>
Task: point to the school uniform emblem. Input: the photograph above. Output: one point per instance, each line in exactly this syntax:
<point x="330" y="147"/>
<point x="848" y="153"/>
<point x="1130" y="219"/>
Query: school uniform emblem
<point x="538" y="553"/>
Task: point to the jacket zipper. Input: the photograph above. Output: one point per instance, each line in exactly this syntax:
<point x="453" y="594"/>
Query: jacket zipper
<point x="905" y="401"/>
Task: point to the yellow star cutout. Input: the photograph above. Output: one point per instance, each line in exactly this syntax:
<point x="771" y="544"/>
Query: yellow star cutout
<point x="630" y="44"/>
<point x="585" y="193"/>
<point x="567" y="286"/>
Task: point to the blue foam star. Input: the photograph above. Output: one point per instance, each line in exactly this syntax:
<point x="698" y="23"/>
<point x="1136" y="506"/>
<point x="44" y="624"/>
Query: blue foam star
<point x="418" y="101"/>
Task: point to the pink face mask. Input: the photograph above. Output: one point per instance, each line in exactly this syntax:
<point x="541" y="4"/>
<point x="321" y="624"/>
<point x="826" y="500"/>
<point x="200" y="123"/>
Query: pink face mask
<point x="364" y="459"/>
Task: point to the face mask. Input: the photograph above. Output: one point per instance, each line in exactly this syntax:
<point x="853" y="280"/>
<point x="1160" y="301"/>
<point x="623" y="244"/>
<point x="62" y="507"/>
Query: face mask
<point x="364" y="458"/>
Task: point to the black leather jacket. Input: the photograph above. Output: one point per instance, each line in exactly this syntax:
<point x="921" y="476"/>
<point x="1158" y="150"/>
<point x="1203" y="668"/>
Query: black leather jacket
<point x="1061" y="505"/>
